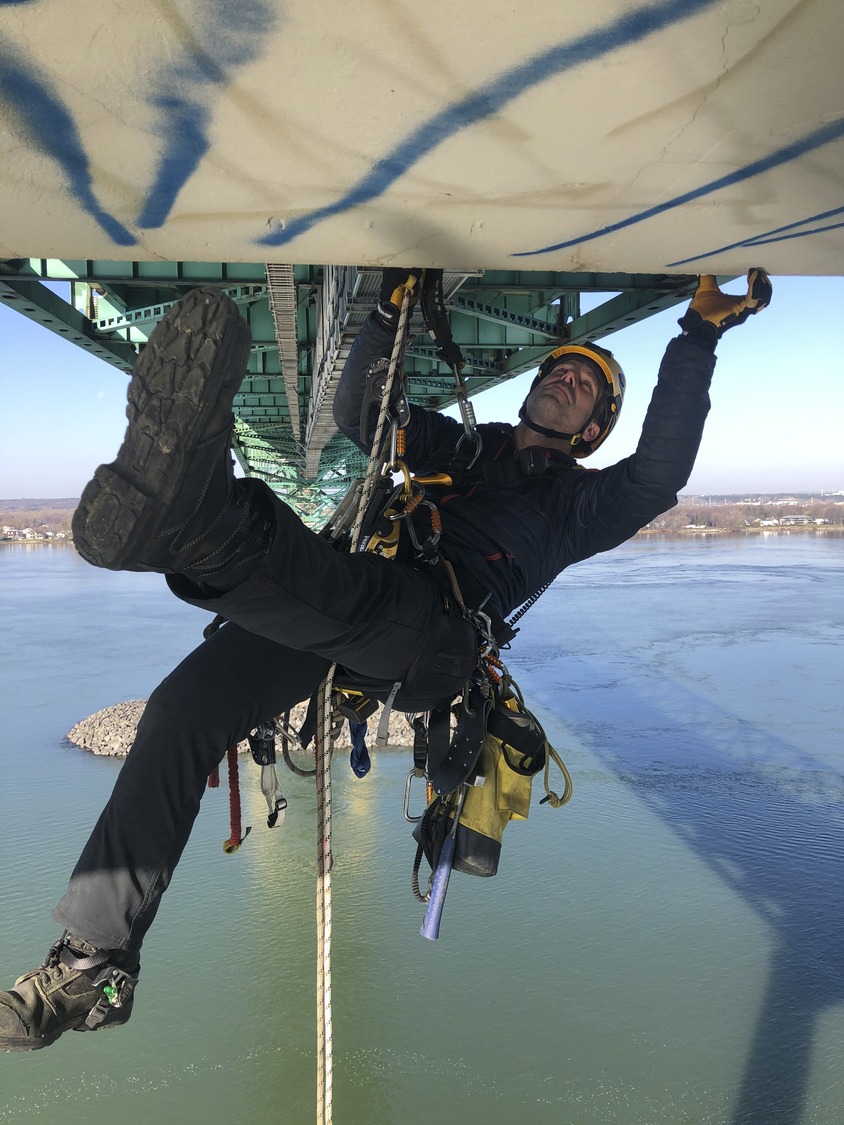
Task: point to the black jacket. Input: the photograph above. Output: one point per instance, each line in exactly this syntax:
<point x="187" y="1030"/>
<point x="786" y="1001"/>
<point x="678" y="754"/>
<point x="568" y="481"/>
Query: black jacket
<point x="514" y="537"/>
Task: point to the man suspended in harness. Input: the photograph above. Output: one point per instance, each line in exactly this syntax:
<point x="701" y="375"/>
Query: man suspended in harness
<point x="293" y="604"/>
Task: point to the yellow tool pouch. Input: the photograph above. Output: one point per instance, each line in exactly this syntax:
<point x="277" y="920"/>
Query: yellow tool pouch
<point x="515" y="750"/>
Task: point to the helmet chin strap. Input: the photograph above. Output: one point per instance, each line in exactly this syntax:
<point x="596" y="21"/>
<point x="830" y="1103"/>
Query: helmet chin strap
<point x="572" y="439"/>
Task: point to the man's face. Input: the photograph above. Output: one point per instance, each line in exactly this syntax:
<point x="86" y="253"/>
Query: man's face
<point x="567" y="396"/>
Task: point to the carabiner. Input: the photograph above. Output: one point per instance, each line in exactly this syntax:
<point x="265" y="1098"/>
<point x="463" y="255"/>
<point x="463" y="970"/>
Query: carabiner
<point x="406" y="805"/>
<point x="478" y="442"/>
<point x="483" y="624"/>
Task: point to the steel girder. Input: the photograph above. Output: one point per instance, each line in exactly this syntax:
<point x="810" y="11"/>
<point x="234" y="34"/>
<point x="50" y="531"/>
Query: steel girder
<point x="303" y="320"/>
<point x="35" y="301"/>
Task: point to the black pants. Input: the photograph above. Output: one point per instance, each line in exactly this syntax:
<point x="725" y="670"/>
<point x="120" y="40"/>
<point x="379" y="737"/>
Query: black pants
<point x="304" y="608"/>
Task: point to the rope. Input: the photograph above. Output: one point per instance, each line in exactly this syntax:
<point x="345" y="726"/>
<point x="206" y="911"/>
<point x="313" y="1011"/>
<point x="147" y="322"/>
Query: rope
<point x="375" y="456"/>
<point x="551" y="797"/>
<point x="325" y="1061"/>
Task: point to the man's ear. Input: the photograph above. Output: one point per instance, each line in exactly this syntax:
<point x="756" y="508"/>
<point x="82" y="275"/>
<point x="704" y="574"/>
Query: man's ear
<point x="591" y="432"/>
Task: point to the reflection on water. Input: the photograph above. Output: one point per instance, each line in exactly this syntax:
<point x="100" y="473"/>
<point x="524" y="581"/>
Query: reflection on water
<point x="668" y="948"/>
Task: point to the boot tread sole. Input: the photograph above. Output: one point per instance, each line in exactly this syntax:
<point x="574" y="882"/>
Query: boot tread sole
<point x="194" y="359"/>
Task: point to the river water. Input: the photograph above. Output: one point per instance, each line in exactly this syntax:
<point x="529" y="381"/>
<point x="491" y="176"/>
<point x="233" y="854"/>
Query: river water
<point x="668" y="948"/>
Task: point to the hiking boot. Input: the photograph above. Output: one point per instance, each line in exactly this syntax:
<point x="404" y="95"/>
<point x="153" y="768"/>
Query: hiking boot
<point x="169" y="502"/>
<point x="78" y="988"/>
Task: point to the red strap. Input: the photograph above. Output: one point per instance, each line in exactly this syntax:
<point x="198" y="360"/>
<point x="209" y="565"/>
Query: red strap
<point x="235" y="838"/>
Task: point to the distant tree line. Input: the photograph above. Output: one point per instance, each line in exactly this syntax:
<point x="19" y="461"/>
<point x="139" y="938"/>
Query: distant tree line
<point x="724" y="517"/>
<point x="40" y="519"/>
<point x="741" y="517"/>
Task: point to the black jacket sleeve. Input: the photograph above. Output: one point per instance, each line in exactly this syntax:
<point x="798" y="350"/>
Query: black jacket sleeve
<point x="430" y="436"/>
<point x="614" y="503"/>
<point x="372" y="343"/>
<point x="515" y="537"/>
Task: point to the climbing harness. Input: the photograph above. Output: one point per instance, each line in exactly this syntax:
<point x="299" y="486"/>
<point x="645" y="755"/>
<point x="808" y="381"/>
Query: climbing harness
<point x="477" y="756"/>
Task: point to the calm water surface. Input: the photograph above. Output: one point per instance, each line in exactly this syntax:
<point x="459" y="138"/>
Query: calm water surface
<point x="669" y="948"/>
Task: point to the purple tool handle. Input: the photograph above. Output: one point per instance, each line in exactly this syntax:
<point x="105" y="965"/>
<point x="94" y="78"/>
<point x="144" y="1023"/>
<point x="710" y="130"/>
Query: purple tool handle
<point x="439" y="886"/>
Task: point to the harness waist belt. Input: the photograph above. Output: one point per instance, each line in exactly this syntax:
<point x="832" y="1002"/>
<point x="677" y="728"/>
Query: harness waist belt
<point x="476" y="597"/>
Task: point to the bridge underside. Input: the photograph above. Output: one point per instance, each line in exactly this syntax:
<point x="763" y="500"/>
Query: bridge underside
<point x="303" y="319"/>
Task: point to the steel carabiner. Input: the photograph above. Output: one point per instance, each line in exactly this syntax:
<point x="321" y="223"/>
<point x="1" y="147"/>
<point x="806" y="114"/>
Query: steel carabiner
<point x="407" y="787"/>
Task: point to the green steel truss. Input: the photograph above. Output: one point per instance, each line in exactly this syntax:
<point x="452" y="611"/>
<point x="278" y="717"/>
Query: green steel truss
<point x="505" y="322"/>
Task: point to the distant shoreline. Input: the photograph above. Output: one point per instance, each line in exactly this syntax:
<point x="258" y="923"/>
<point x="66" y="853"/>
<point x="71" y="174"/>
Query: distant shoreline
<point x="645" y="532"/>
<point x="37" y="542"/>
<point x="690" y="532"/>
<point x="691" y="515"/>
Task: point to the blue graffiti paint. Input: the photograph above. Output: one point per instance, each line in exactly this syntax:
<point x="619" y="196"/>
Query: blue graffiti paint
<point x="799" y="234"/>
<point x="816" y="139"/>
<point x="48" y="127"/>
<point x="223" y="37"/>
<point x="775" y="235"/>
<point x="186" y="142"/>
<point x="628" y="29"/>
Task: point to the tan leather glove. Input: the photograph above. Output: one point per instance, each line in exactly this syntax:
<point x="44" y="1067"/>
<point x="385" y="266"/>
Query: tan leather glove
<point x="712" y="312"/>
<point x="394" y="283"/>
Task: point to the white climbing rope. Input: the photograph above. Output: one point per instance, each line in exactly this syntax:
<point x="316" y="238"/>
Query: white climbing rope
<point x="374" y="466"/>
<point x="325" y="1033"/>
<point x="325" y="1046"/>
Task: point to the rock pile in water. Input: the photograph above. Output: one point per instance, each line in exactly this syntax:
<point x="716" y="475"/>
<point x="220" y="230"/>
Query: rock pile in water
<point x="111" y="732"/>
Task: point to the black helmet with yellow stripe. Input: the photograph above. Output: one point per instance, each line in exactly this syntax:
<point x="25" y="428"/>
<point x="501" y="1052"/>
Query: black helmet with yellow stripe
<point x="607" y="407"/>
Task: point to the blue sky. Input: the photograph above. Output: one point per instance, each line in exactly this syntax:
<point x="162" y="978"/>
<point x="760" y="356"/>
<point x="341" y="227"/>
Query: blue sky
<point x="775" y="423"/>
